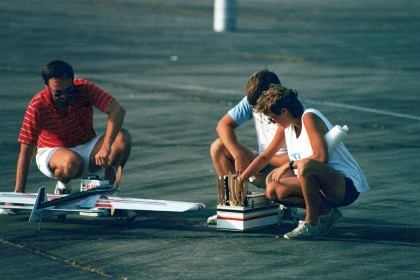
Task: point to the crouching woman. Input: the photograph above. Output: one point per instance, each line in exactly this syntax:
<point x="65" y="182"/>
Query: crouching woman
<point x="315" y="179"/>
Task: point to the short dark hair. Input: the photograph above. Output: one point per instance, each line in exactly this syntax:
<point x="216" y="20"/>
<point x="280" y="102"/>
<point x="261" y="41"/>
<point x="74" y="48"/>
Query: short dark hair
<point x="57" y="69"/>
<point x="259" y="82"/>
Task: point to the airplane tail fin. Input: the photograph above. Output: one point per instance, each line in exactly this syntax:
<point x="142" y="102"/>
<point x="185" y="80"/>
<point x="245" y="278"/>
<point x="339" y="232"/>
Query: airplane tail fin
<point x="40" y="199"/>
<point x="66" y="204"/>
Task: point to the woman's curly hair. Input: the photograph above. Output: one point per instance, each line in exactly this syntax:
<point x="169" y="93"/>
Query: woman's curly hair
<point x="277" y="97"/>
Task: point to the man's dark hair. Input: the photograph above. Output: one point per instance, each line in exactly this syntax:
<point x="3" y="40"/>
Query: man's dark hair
<point x="259" y="82"/>
<point x="57" y="69"/>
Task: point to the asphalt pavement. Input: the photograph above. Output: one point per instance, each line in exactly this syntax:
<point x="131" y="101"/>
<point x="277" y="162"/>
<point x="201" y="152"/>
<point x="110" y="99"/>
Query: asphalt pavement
<point x="356" y="61"/>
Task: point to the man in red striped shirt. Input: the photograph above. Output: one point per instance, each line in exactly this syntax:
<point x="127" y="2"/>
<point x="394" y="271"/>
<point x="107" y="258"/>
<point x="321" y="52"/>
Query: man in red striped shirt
<point x="58" y="126"/>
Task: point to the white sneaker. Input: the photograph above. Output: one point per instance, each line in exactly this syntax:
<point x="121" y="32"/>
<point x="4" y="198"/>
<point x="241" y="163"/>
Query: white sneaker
<point x="61" y="188"/>
<point x="7" y="212"/>
<point x="303" y="231"/>
<point x="212" y="220"/>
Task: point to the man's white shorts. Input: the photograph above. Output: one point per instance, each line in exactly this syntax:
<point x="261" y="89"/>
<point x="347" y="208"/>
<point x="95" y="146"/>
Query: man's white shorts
<point x="44" y="155"/>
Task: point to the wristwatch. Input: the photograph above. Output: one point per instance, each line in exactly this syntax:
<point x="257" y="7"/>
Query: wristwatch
<point x="291" y="164"/>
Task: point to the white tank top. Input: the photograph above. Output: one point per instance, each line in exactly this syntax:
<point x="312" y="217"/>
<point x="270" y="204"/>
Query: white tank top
<point x="340" y="158"/>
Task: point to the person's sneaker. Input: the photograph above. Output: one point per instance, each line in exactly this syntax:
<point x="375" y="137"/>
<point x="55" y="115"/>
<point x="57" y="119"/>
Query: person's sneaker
<point x="212" y="220"/>
<point x="61" y="188"/>
<point x="327" y="222"/>
<point x="289" y="214"/>
<point x="304" y="230"/>
<point x="7" y="212"/>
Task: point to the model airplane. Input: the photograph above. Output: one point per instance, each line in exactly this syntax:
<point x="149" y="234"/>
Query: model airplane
<point x="92" y="201"/>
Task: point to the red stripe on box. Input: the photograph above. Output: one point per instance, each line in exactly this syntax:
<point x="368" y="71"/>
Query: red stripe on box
<point x="246" y="219"/>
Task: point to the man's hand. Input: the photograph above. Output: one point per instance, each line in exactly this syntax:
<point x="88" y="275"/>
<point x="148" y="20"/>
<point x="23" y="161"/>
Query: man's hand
<point x="102" y="157"/>
<point x="116" y="115"/>
<point x="241" y="163"/>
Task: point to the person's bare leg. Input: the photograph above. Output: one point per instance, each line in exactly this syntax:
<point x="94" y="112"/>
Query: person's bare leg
<point x="66" y="165"/>
<point x="120" y="152"/>
<point x="316" y="178"/>
<point x="223" y="161"/>
<point x="288" y="191"/>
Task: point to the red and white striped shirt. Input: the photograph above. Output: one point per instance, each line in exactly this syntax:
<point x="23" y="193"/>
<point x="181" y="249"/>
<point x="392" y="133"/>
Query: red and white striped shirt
<point x="46" y="126"/>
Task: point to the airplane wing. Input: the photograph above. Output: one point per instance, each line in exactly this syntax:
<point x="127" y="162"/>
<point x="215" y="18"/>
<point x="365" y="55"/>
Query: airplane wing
<point x="138" y="204"/>
<point x="27" y="199"/>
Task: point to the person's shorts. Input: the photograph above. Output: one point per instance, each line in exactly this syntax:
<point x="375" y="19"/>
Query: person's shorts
<point x="44" y="155"/>
<point x="265" y="173"/>
<point x="267" y="170"/>
<point x="350" y="195"/>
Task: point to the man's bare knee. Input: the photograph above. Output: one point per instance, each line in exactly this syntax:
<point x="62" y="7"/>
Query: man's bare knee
<point x="122" y="143"/>
<point x="216" y="147"/>
<point x="69" y="168"/>
<point x="123" y="138"/>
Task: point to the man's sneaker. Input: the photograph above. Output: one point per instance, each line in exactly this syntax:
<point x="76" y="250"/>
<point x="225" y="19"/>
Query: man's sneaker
<point x="7" y="212"/>
<point x="304" y="230"/>
<point x="327" y="222"/>
<point x="61" y="188"/>
<point x="212" y="220"/>
<point x="289" y="214"/>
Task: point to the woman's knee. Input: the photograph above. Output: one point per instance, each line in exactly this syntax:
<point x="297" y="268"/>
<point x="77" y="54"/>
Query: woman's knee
<point x="270" y="194"/>
<point x="307" y="167"/>
<point x="275" y="193"/>
<point x="270" y="189"/>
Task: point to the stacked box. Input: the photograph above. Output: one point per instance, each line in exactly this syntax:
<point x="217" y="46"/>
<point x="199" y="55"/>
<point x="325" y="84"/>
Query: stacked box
<point x="258" y="212"/>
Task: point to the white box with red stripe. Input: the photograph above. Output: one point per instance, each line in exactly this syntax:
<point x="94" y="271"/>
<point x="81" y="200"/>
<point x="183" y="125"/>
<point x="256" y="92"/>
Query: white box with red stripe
<point x="258" y="213"/>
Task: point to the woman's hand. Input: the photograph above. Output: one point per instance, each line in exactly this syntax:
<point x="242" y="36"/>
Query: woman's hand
<point x="278" y="173"/>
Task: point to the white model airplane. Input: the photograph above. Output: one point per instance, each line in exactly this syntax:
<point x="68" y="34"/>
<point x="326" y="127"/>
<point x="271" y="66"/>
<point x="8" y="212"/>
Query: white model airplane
<point x="92" y="201"/>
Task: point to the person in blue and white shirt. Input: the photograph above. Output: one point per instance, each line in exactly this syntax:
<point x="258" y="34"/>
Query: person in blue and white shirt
<point x="231" y="156"/>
